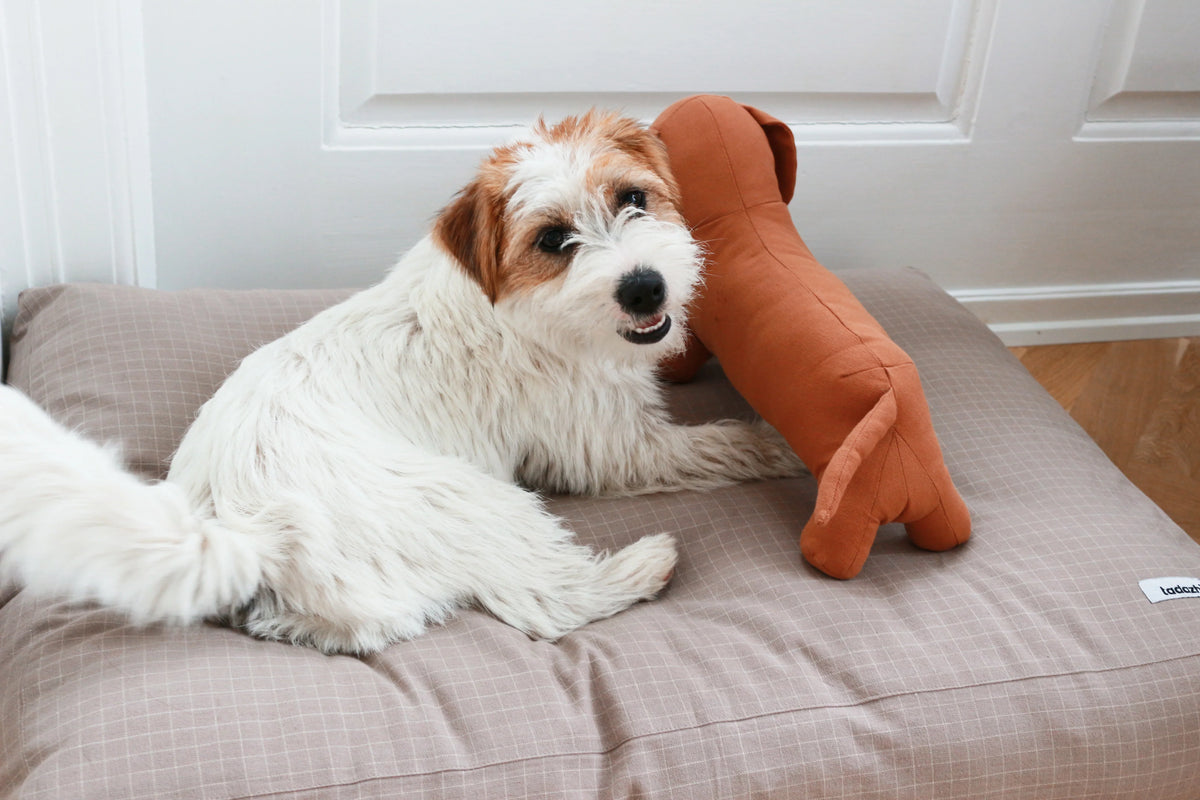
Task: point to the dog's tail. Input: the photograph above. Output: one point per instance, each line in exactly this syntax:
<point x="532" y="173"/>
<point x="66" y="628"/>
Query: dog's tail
<point x="74" y="523"/>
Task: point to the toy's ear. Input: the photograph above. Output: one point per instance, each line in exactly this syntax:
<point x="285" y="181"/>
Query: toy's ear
<point x="783" y="145"/>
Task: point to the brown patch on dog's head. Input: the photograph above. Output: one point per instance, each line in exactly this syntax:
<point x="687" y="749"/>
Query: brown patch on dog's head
<point x="624" y="135"/>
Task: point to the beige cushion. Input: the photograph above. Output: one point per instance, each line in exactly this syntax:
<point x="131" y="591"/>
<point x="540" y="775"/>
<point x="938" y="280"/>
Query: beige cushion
<point x="1026" y="664"/>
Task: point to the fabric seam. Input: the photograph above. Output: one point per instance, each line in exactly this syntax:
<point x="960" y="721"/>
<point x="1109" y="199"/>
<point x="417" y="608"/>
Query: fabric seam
<point x="716" y="723"/>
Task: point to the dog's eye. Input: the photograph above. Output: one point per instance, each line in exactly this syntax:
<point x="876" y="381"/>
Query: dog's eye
<point x="553" y="240"/>
<point x="633" y="197"/>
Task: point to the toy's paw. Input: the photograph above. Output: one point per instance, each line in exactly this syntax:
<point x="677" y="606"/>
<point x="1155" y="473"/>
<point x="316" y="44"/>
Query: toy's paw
<point x="948" y="526"/>
<point x="840" y="547"/>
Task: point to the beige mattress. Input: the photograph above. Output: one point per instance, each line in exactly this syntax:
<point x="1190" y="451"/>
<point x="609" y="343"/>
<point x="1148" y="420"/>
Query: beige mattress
<point x="1026" y="664"/>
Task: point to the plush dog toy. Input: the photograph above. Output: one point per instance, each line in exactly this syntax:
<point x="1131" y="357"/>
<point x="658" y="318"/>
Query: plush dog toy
<point x="799" y="347"/>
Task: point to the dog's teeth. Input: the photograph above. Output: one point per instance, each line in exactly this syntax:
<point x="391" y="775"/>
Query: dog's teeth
<point x="652" y="328"/>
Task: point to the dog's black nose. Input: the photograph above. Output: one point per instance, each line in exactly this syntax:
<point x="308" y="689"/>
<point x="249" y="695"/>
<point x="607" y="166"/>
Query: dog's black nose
<point x="642" y="291"/>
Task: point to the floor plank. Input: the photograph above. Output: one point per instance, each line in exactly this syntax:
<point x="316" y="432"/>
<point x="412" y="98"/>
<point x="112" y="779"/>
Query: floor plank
<point x="1176" y="420"/>
<point x="1064" y="371"/>
<point x="1121" y="394"/>
<point x="1140" y="401"/>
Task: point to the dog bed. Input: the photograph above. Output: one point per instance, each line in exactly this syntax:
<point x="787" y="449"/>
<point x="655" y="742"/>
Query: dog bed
<point x="1027" y="663"/>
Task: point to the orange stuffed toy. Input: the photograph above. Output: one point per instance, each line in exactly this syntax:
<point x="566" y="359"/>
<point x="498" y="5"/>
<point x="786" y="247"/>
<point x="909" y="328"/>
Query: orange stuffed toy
<point x="799" y="347"/>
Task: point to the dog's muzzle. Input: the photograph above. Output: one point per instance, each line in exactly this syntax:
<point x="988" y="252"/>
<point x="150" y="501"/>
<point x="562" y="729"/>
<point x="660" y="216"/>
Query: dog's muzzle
<point x="641" y="294"/>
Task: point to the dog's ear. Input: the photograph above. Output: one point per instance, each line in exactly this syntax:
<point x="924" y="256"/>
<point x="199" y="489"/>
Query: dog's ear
<point x="471" y="229"/>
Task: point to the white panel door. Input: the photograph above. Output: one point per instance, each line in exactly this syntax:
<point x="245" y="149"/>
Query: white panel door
<point x="1041" y="160"/>
<point x="333" y="136"/>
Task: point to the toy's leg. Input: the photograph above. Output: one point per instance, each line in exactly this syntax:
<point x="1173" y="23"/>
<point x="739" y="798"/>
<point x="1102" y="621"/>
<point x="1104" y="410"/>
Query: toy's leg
<point x="946" y="526"/>
<point x="891" y="484"/>
<point x="839" y="547"/>
<point x="934" y="513"/>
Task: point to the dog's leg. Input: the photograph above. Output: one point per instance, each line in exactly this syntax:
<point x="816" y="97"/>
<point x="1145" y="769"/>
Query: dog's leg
<point x="698" y="457"/>
<point x="418" y="535"/>
<point x="539" y="581"/>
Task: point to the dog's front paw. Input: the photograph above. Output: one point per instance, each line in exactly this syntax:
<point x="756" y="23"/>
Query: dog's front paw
<point x="778" y="458"/>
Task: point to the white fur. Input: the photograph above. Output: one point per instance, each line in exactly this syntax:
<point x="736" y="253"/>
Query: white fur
<point x="361" y="477"/>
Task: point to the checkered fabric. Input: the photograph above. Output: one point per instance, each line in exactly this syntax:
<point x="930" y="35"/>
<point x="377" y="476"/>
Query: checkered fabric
<point x="1025" y="664"/>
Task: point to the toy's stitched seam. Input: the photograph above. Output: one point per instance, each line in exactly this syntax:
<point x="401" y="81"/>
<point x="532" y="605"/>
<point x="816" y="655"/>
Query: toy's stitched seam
<point x="725" y="153"/>
<point x="901" y="449"/>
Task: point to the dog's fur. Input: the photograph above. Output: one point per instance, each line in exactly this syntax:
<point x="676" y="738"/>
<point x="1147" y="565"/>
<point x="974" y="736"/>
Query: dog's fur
<point x="359" y="478"/>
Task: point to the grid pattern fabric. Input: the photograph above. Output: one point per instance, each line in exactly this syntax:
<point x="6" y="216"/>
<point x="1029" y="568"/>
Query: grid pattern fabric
<point x="1025" y="664"/>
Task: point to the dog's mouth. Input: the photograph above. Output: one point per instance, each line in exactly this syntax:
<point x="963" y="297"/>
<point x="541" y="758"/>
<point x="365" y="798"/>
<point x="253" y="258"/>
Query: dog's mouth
<point x="650" y="331"/>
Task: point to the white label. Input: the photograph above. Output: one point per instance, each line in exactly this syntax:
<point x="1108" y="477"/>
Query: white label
<point x="1159" y="589"/>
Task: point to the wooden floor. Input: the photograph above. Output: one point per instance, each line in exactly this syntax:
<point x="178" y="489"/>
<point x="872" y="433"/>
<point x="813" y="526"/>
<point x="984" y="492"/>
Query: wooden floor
<point x="1140" y="401"/>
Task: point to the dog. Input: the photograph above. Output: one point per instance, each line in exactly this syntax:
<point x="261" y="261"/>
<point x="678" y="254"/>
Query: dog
<point x="376" y="469"/>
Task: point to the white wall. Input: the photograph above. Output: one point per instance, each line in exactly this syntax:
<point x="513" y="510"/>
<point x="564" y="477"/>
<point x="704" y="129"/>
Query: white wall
<point x="1040" y="160"/>
<point x="75" y="184"/>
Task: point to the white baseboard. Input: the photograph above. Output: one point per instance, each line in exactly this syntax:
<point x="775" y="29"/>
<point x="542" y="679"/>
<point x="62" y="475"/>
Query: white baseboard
<point x="1088" y="313"/>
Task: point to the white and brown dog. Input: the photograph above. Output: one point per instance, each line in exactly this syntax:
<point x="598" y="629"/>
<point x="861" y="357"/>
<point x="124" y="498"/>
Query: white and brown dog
<point x="361" y="477"/>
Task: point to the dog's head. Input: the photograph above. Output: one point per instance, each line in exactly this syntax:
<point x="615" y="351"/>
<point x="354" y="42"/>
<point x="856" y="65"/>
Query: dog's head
<point x="574" y="234"/>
